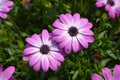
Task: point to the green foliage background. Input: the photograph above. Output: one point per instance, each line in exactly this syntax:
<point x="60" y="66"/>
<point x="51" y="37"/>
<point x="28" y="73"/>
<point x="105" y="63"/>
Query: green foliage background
<point x="21" y="23"/>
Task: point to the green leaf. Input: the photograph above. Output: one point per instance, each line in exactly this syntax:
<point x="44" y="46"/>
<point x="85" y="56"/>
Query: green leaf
<point x="105" y="61"/>
<point x="8" y="23"/>
<point x="50" y="27"/>
<point x="75" y="75"/>
<point x="111" y="54"/>
<point x="102" y="34"/>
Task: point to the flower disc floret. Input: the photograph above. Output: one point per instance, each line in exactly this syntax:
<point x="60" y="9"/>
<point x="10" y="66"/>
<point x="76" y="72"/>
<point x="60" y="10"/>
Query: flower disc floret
<point x="44" y="49"/>
<point x="111" y="2"/>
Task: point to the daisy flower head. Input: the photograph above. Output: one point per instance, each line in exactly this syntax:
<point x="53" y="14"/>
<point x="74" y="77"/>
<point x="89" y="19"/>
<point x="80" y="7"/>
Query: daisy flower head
<point x="107" y="74"/>
<point x="7" y="73"/>
<point x="5" y="7"/>
<point x="72" y="33"/>
<point x="42" y="52"/>
<point x="113" y="8"/>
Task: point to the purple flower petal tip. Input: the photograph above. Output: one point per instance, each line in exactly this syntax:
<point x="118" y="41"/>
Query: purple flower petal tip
<point x="7" y="73"/>
<point x="99" y="4"/>
<point x="107" y="74"/>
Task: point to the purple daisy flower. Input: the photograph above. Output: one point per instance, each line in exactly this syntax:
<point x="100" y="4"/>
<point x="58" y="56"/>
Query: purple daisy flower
<point x="42" y="52"/>
<point x="7" y="73"/>
<point x="107" y="74"/>
<point x="72" y="32"/>
<point x="5" y="6"/>
<point x="112" y="6"/>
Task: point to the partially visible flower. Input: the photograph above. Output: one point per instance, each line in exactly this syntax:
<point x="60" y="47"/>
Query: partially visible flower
<point x="72" y="32"/>
<point x="5" y="7"/>
<point x="111" y="6"/>
<point x="42" y="52"/>
<point x="107" y="74"/>
<point x="7" y="73"/>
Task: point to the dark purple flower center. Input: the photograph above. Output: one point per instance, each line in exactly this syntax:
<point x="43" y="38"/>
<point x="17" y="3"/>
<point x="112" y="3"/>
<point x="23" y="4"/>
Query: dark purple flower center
<point x="73" y="31"/>
<point x="44" y="49"/>
<point x="111" y="2"/>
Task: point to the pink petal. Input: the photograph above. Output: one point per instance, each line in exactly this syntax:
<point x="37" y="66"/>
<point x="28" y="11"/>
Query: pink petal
<point x="82" y="23"/>
<point x="75" y="44"/>
<point x="3" y="15"/>
<point x="37" y="65"/>
<point x="45" y="63"/>
<point x="57" y="56"/>
<point x="1" y="68"/>
<point x="34" y="58"/>
<point x="26" y="58"/>
<point x="90" y="39"/>
<point x="96" y="77"/>
<point x="59" y="32"/>
<point x="112" y="14"/>
<point x="30" y="50"/>
<point x="7" y="73"/>
<point x="60" y="37"/>
<point x="37" y="38"/>
<point x="68" y="46"/>
<point x="8" y="4"/>
<point x="55" y="60"/>
<point x="82" y="41"/>
<point x="54" y="48"/>
<point x="76" y="18"/>
<point x="108" y="7"/>
<point x="59" y="25"/>
<point x="99" y="4"/>
<point x="53" y="63"/>
<point x="33" y="42"/>
<point x="64" y="19"/>
<point x="57" y="38"/>
<point x="69" y="16"/>
<point x="116" y="72"/>
<point x="3" y="1"/>
<point x="45" y="36"/>
<point x="88" y="26"/>
<point x="65" y="42"/>
<point x="107" y="74"/>
<point x="4" y="9"/>
<point x="86" y="31"/>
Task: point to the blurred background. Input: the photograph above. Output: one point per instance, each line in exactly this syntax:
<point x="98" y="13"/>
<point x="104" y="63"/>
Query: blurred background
<point x="28" y="18"/>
